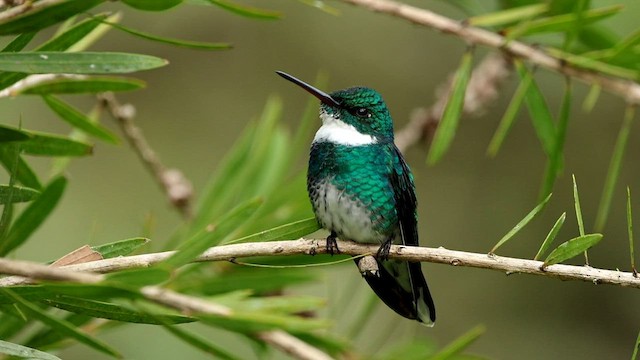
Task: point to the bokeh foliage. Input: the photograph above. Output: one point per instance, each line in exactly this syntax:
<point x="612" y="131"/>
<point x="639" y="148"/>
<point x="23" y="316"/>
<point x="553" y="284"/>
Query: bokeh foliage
<point x="245" y="199"/>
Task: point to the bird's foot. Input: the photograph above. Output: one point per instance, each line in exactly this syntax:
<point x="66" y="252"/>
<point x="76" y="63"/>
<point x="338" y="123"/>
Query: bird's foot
<point x="383" y="251"/>
<point x="332" y="245"/>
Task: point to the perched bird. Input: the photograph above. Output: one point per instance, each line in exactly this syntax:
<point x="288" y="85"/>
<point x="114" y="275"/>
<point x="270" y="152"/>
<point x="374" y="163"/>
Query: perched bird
<point x="361" y="189"/>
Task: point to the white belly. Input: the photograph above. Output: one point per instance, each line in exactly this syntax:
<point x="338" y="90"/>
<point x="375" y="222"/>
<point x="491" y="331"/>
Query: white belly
<point x="338" y="212"/>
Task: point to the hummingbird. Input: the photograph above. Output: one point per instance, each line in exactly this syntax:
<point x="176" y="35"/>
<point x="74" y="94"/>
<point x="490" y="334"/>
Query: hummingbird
<point x="361" y="189"/>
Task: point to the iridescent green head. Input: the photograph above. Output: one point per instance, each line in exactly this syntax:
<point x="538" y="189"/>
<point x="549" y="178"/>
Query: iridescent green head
<point x="357" y="114"/>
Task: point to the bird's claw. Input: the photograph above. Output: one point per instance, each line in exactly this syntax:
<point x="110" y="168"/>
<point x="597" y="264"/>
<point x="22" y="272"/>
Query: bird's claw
<point x="383" y="251"/>
<point x="332" y="245"/>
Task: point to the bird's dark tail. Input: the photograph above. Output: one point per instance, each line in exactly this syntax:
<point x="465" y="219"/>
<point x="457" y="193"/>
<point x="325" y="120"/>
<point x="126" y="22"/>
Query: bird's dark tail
<point x="402" y="286"/>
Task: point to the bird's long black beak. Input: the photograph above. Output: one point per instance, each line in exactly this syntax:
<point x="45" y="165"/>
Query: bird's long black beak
<point x="323" y="96"/>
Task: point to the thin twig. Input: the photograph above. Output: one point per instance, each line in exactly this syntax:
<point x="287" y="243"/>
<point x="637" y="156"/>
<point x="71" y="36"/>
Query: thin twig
<point x="317" y="246"/>
<point x="176" y="186"/>
<point x="624" y="88"/>
<point x="483" y="87"/>
<point x="185" y="303"/>
<point x="33" y="80"/>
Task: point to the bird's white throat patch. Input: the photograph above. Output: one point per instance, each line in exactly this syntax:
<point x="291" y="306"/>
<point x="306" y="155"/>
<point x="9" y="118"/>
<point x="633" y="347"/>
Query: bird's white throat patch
<point x="338" y="132"/>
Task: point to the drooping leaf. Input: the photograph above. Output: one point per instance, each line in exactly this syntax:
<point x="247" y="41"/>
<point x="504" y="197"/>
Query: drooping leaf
<point x="614" y="169"/>
<point x="554" y="163"/>
<point x="591" y="98"/>
<point x="508" y="16"/>
<point x="538" y="111"/>
<point x="34" y="215"/>
<point x="200" y="342"/>
<point x="24" y="352"/>
<point x="152" y="5"/>
<point x="120" y="248"/>
<point x="61" y="325"/>
<point x="452" y="112"/>
<point x="197" y="45"/>
<point x="509" y="116"/>
<point x="576" y="201"/>
<point x="249" y="322"/>
<point x="47" y="62"/>
<point x="16" y="166"/>
<point x="93" y="84"/>
<point x="521" y="224"/>
<point x="548" y="241"/>
<point x="111" y="311"/>
<point x="248" y="11"/>
<point x="45" y="16"/>
<point x="572" y="248"/>
<point x="79" y="120"/>
<point x="216" y="233"/>
<point x="15" y="194"/>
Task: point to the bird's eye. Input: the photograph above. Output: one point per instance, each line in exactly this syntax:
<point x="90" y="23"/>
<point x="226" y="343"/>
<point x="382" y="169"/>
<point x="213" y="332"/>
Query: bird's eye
<point x="363" y="112"/>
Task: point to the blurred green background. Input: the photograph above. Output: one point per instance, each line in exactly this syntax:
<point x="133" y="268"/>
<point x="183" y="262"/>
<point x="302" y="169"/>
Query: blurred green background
<point x="194" y="109"/>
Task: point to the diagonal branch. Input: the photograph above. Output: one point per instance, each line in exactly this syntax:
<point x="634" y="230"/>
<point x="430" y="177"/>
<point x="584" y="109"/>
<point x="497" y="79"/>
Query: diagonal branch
<point x="626" y="89"/>
<point x="314" y="246"/>
<point x="176" y="186"/>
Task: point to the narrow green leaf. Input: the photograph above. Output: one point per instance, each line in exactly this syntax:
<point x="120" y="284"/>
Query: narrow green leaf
<point x="548" y="241"/>
<point x="592" y="98"/>
<point x="106" y="310"/>
<point x="508" y="16"/>
<point x="589" y="63"/>
<point x="323" y="6"/>
<point x="61" y="325"/>
<point x="152" y="5"/>
<point x="634" y="355"/>
<point x="102" y="291"/>
<point x="79" y="120"/>
<point x="509" y="117"/>
<point x="71" y="36"/>
<point x="630" y="231"/>
<point x="554" y="164"/>
<point x="614" y="169"/>
<point x="61" y="42"/>
<point x="139" y="277"/>
<point x="576" y="200"/>
<point x="53" y="145"/>
<point x="24" y="352"/>
<point x="12" y="134"/>
<point x="572" y="248"/>
<point x="259" y="280"/>
<point x="538" y="111"/>
<point x="47" y="62"/>
<point x="249" y="322"/>
<point x="120" y="248"/>
<point x="565" y="22"/>
<point x="15" y="165"/>
<point x="291" y="231"/>
<point x="460" y="344"/>
<point x="19" y="42"/>
<point x="199" y="342"/>
<point x="521" y="224"/>
<point x="94" y="84"/>
<point x="198" y="45"/>
<point x="34" y="215"/>
<point x="452" y="111"/>
<point x="45" y="16"/>
<point x="247" y="11"/>
<point x="14" y="194"/>
<point x="213" y="235"/>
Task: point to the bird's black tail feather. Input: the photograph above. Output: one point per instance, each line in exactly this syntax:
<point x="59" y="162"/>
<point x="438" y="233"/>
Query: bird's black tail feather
<point x="402" y="287"/>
